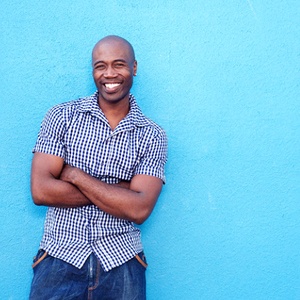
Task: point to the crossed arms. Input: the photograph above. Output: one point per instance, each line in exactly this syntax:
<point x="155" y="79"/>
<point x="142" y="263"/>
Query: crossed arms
<point x="59" y="185"/>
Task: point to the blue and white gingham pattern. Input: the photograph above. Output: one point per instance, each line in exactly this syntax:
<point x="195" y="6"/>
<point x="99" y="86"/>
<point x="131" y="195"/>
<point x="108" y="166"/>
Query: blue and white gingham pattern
<point x="79" y="132"/>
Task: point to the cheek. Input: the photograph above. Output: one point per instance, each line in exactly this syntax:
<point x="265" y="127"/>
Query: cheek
<point x="128" y="76"/>
<point x="97" y="75"/>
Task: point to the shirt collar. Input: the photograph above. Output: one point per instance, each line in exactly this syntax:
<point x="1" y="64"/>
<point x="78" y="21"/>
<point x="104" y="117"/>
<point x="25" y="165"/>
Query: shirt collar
<point x="135" y="117"/>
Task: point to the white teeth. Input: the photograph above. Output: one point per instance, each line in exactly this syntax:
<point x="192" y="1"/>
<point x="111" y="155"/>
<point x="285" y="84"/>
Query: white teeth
<point x="111" y="85"/>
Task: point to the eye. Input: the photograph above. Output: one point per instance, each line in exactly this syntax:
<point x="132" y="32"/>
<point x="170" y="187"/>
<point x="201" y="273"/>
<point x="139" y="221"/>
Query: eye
<point x="119" y="65"/>
<point x="99" y="67"/>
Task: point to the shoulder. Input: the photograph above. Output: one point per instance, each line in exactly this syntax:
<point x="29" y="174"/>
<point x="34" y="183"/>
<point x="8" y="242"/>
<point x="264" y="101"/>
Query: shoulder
<point x="67" y="109"/>
<point x="154" y="127"/>
<point x="144" y="123"/>
<point x="153" y="134"/>
<point x="68" y="106"/>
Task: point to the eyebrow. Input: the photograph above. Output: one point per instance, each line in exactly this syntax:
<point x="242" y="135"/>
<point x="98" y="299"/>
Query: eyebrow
<point x="116" y="60"/>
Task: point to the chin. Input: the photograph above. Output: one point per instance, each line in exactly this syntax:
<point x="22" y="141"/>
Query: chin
<point x="113" y="98"/>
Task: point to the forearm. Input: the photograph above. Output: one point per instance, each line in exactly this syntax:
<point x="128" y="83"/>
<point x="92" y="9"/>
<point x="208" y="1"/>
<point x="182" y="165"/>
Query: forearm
<point x="46" y="186"/>
<point x="110" y="198"/>
<point x="58" y="193"/>
<point x="128" y="204"/>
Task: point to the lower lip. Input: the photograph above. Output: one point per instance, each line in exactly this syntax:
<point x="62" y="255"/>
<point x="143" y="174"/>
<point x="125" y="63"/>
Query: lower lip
<point x="111" y="90"/>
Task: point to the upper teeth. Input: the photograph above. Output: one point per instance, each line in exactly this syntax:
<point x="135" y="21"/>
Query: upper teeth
<point x="111" y="85"/>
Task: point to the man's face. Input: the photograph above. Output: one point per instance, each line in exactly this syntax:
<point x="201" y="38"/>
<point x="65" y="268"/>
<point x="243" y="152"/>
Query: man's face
<point x="113" y="70"/>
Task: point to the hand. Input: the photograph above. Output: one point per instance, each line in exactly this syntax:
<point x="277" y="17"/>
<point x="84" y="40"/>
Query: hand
<point x="68" y="173"/>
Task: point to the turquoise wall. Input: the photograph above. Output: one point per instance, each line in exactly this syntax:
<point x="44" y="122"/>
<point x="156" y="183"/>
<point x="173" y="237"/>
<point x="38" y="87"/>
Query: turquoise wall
<point x="222" y="78"/>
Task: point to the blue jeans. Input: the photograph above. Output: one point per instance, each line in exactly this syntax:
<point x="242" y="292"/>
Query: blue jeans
<point x="55" y="279"/>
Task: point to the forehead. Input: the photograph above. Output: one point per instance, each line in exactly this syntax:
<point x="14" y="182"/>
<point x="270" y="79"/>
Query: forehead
<point x="111" y="50"/>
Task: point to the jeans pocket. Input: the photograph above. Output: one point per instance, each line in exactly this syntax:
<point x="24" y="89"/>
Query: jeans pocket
<point x="141" y="258"/>
<point x="41" y="255"/>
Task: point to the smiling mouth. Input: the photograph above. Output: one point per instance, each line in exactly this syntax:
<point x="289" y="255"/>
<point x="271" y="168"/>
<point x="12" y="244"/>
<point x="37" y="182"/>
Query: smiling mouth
<point x="111" y="86"/>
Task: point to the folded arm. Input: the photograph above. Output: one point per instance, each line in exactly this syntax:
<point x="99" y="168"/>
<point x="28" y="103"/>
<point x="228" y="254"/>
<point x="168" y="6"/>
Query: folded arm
<point x="46" y="186"/>
<point x="134" y="204"/>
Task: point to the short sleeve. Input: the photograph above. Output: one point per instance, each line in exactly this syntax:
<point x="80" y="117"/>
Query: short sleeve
<point x="51" y="134"/>
<point x="155" y="157"/>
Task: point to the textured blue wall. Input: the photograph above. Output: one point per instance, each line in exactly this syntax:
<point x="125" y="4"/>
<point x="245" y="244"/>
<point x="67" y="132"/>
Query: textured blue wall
<point x="222" y="77"/>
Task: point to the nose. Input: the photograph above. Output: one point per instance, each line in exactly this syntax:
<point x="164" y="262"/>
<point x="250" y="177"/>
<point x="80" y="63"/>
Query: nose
<point x="110" y="72"/>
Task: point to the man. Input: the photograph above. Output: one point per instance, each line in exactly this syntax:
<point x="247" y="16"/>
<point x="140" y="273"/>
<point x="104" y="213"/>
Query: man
<point x="99" y="165"/>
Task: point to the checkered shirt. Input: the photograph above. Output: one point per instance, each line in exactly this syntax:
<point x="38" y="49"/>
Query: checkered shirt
<point x="79" y="132"/>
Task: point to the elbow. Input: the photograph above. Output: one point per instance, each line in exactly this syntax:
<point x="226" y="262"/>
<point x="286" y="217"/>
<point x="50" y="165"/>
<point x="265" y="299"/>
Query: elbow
<point x="139" y="221"/>
<point x="37" y="196"/>
<point x="37" y="200"/>
<point x="140" y="217"/>
<point x="141" y="213"/>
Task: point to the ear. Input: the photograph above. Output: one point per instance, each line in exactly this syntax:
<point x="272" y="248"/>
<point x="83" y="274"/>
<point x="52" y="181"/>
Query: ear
<point x="135" y="68"/>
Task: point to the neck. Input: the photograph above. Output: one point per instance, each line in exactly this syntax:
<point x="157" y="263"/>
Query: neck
<point x="115" y="112"/>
